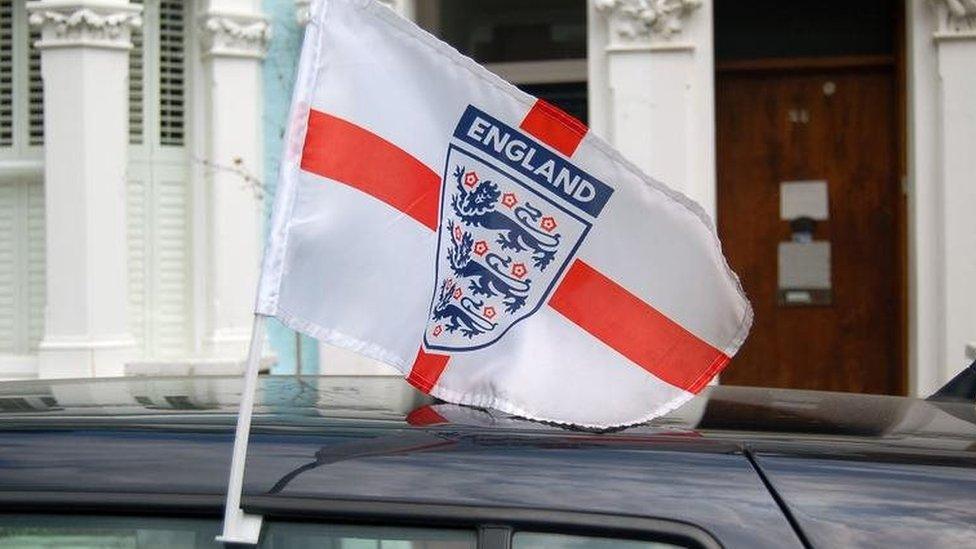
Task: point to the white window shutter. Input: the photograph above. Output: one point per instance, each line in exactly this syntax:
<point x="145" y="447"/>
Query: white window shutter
<point x="35" y="92"/>
<point x="6" y="73"/>
<point x="22" y="261"/>
<point x="9" y="233"/>
<point x="172" y="78"/>
<point x="159" y="282"/>
<point x="171" y="261"/>
<point x="35" y="265"/>
<point x="136" y="88"/>
<point x="136" y="238"/>
<point x="21" y="266"/>
<point x="158" y="195"/>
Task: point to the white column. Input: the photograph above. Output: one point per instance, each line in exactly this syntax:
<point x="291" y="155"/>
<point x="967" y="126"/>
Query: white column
<point x="956" y="43"/>
<point x="84" y="62"/>
<point x="234" y="39"/>
<point x="942" y="175"/>
<point x="651" y="78"/>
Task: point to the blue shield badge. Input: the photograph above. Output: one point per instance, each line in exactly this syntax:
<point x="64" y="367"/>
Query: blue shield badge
<point x="508" y="229"/>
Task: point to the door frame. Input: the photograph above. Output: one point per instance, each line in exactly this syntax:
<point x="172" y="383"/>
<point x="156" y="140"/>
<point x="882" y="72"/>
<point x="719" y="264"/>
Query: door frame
<point x="898" y="63"/>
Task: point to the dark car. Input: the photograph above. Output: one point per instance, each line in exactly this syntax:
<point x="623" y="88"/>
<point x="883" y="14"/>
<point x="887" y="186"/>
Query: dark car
<point x="368" y="462"/>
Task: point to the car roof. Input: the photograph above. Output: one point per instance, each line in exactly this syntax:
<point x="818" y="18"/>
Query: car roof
<point x="321" y="440"/>
<point x="727" y="412"/>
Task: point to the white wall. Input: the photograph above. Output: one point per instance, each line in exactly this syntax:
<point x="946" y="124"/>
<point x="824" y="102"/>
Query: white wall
<point x="233" y="42"/>
<point x="942" y="190"/>
<point x="652" y="90"/>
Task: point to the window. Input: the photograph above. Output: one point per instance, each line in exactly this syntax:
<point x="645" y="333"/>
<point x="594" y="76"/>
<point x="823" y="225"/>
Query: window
<point x="22" y="531"/>
<point x="324" y="536"/>
<point x="6" y="73"/>
<point x="158" y="200"/>
<point x="22" y="266"/>
<point x="171" y="72"/>
<point x="796" y="29"/>
<point x="136" y="89"/>
<point x="35" y="92"/>
<point x="21" y="87"/>
<point x="539" y="46"/>
<point x="532" y="540"/>
<point x="509" y="30"/>
<point x="82" y="532"/>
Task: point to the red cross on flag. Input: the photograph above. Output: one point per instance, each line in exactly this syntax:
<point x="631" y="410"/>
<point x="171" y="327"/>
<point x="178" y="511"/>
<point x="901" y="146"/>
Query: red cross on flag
<point x="434" y="217"/>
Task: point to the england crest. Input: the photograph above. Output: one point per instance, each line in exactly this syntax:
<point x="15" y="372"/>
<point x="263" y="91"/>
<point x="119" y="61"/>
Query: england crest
<point x="512" y="216"/>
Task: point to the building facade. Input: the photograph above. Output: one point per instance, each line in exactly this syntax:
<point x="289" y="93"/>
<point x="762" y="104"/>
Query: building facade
<point x="139" y="145"/>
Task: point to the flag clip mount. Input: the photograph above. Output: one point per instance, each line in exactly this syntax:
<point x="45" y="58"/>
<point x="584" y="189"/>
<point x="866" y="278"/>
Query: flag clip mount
<point x="241" y="528"/>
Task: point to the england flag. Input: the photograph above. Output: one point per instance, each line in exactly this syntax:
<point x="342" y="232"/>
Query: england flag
<point x="434" y="217"/>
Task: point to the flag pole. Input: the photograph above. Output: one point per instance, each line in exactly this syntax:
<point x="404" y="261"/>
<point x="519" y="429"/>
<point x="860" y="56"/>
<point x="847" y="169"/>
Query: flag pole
<point x="240" y="527"/>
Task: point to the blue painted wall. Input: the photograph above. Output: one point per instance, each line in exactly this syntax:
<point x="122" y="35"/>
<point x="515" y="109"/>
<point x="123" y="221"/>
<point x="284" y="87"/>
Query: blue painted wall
<point x="279" y="77"/>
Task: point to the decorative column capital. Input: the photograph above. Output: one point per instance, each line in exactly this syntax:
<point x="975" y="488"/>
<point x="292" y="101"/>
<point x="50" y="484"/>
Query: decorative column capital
<point x="303" y="11"/>
<point x="957" y="19"/>
<point x="84" y="23"/>
<point x="642" y="22"/>
<point x="235" y="35"/>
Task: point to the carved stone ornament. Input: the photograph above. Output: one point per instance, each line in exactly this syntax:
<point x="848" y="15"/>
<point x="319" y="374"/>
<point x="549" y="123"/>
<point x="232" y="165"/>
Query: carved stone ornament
<point x="303" y="11"/>
<point x="637" y="20"/>
<point x="84" y="24"/>
<point x="957" y="18"/>
<point x="235" y="35"/>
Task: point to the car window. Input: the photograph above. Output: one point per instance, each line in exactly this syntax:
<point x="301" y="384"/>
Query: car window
<point x="534" y="540"/>
<point x="330" y="536"/>
<point x="86" y="532"/>
<point x="82" y="532"/>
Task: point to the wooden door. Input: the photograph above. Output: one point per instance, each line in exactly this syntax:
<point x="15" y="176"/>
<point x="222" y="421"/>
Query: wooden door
<point x="838" y="125"/>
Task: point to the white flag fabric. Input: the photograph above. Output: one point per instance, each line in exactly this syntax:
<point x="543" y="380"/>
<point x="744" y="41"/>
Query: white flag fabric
<point x="434" y="217"/>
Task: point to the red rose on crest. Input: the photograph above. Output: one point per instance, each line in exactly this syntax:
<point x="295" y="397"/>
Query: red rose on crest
<point x="548" y="223"/>
<point x="519" y="270"/>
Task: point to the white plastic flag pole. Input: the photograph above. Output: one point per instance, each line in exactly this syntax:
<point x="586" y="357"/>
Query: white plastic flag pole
<point x="239" y="527"/>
